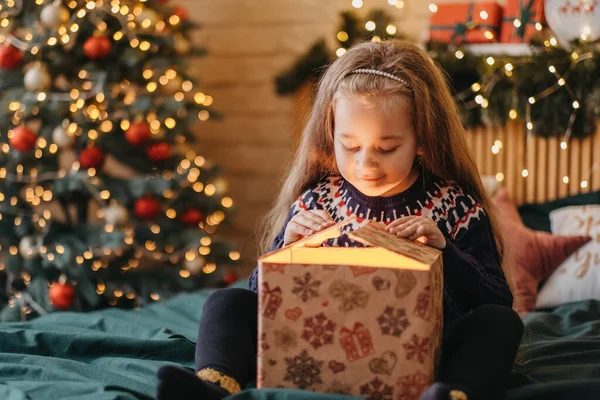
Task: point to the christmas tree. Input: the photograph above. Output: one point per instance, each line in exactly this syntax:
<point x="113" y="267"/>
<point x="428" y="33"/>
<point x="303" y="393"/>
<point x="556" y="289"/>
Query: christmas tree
<point x="102" y="200"/>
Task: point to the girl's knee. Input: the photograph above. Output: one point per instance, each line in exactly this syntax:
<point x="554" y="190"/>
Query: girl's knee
<point x="231" y="298"/>
<point x="500" y="318"/>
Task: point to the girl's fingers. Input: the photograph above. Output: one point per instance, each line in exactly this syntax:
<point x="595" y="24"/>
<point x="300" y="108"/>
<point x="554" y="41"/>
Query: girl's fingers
<point x="308" y="223"/>
<point x="319" y="219"/>
<point x="395" y="224"/>
<point x="407" y="224"/>
<point x="422" y="230"/>
<point x="299" y="229"/>
<point x="407" y="232"/>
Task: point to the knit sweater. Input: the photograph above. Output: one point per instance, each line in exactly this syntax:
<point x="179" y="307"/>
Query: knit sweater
<point x="472" y="272"/>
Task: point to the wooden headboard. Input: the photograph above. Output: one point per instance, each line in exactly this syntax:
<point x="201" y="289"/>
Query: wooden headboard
<point x="552" y="171"/>
<point x="548" y="165"/>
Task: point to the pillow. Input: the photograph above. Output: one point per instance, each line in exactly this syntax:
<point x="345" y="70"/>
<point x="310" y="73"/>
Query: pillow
<point x="578" y="278"/>
<point x="534" y="255"/>
<point x="537" y="215"/>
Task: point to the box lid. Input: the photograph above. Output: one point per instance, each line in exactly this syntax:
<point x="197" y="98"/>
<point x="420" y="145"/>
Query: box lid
<point x="374" y="234"/>
<point x="387" y="250"/>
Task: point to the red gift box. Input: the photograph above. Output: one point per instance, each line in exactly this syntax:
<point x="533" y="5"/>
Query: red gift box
<point x="466" y="23"/>
<point x="520" y="20"/>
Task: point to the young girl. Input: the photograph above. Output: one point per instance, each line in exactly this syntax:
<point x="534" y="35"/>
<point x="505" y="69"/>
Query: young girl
<point x="384" y="142"/>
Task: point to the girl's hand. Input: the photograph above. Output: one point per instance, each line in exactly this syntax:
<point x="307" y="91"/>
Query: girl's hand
<point x="306" y="223"/>
<point x="418" y="228"/>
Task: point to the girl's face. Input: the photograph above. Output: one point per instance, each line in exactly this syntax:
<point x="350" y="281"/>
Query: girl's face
<point x="375" y="149"/>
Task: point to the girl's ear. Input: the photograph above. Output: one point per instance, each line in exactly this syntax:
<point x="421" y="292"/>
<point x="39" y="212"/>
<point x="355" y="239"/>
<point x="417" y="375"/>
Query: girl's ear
<point x="420" y="151"/>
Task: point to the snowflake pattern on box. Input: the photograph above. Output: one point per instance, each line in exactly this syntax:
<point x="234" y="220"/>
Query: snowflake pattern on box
<point x="303" y="370"/>
<point x="410" y="387"/>
<point x="306" y="287"/>
<point x="376" y="389"/>
<point x="352" y="296"/>
<point x="417" y="348"/>
<point x="393" y="321"/>
<point x="285" y="339"/>
<point x="318" y="330"/>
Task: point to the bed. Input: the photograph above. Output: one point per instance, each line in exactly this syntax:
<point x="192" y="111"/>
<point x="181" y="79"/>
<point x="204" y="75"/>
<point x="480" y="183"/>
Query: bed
<point x="115" y="354"/>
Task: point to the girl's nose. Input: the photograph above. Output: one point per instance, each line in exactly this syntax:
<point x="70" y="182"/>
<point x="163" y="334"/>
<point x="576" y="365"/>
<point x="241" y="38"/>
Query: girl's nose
<point x="367" y="161"/>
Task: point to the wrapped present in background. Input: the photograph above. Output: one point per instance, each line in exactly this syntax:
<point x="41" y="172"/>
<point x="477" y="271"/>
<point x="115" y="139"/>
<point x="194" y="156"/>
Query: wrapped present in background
<point x="466" y="22"/>
<point x="364" y="321"/>
<point x="522" y="19"/>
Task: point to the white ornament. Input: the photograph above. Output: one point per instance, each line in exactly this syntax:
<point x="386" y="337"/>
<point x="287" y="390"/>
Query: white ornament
<point x="53" y="16"/>
<point x="195" y="265"/>
<point x="37" y="78"/>
<point x="571" y="20"/>
<point x="115" y="215"/>
<point x="62" y="138"/>
<point x="29" y="247"/>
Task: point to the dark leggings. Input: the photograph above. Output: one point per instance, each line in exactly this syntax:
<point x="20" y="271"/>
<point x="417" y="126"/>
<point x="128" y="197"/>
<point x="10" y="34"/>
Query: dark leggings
<point x="478" y="348"/>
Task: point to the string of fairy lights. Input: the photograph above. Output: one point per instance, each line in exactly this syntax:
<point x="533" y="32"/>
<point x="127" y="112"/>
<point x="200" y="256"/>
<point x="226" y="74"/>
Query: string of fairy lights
<point x="93" y="86"/>
<point x="399" y="4"/>
<point x="482" y="89"/>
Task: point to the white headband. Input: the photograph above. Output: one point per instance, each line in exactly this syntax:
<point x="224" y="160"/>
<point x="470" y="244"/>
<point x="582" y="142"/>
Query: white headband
<point x="381" y="73"/>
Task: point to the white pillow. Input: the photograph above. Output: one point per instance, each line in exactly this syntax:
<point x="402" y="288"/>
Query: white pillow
<point x="578" y="277"/>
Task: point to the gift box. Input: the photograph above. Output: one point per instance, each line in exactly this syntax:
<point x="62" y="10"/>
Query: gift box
<point x="521" y="20"/>
<point x="466" y="22"/>
<point x="362" y="321"/>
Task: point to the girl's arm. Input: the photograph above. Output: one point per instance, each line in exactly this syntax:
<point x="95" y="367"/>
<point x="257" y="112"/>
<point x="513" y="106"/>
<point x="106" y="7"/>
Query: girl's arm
<point x="308" y="201"/>
<point x="472" y="271"/>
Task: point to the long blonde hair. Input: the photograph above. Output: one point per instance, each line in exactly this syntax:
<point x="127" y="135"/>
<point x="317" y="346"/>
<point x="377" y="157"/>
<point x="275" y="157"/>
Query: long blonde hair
<point x="436" y="122"/>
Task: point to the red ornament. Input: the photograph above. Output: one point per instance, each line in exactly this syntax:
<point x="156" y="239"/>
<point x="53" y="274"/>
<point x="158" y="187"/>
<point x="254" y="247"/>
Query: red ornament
<point x="23" y="139"/>
<point x="61" y="295"/>
<point x="159" y="152"/>
<point x="192" y="216"/>
<point x="147" y="208"/>
<point x="230" y="278"/>
<point x="97" y="47"/>
<point x="10" y="57"/>
<point x="137" y="133"/>
<point x="180" y="12"/>
<point x="91" y="157"/>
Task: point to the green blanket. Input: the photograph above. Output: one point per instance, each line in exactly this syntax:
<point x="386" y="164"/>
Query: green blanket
<point x="115" y="354"/>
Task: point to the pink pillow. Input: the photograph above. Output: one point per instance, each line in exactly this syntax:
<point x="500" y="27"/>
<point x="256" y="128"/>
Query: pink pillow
<point x="535" y="255"/>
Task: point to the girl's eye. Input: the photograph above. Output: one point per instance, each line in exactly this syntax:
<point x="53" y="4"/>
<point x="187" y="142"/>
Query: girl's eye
<point x="385" y="151"/>
<point x="351" y="149"/>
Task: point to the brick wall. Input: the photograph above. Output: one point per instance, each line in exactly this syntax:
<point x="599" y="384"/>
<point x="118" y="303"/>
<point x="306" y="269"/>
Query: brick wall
<point x="249" y="42"/>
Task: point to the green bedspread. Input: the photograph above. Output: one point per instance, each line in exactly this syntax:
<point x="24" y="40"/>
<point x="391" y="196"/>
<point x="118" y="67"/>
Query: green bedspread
<point x="114" y="354"/>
